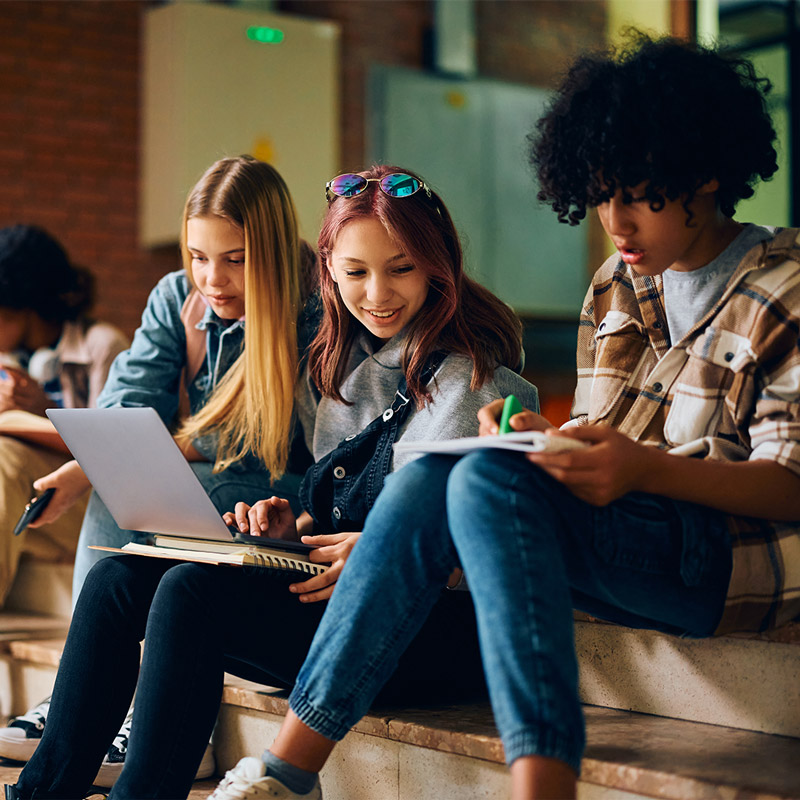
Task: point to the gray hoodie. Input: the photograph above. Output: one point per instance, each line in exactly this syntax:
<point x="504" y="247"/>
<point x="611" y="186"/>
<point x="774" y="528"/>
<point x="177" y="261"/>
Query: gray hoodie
<point x="371" y="384"/>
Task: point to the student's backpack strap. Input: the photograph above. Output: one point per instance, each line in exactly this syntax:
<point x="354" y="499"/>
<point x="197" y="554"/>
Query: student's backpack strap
<point x="194" y="307"/>
<point x="192" y="312"/>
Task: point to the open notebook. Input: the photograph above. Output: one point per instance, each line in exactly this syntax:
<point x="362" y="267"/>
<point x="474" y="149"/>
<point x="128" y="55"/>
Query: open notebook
<point x="522" y="441"/>
<point x="147" y="485"/>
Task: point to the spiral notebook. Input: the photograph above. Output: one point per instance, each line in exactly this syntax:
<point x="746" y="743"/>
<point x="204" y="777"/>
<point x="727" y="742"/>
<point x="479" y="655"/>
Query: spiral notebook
<point x="137" y="469"/>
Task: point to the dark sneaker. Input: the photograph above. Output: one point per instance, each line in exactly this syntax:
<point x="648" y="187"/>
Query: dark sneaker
<point x="20" y="738"/>
<point x="114" y="759"/>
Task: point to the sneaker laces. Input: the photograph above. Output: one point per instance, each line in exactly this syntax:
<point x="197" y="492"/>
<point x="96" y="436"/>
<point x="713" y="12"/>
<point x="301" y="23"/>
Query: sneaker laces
<point x="35" y="717"/>
<point x="119" y="747"/>
<point x="239" y="781"/>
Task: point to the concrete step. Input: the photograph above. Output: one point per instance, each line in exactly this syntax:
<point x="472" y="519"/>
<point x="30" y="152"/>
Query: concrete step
<point x="748" y="682"/>
<point x="454" y="753"/>
<point x="741" y="681"/>
<point x="22" y="626"/>
<point x="41" y="587"/>
<point x="25" y="681"/>
<point x="9" y="770"/>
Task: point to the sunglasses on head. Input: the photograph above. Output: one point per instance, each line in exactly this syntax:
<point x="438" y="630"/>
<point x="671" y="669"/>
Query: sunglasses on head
<point x="397" y="184"/>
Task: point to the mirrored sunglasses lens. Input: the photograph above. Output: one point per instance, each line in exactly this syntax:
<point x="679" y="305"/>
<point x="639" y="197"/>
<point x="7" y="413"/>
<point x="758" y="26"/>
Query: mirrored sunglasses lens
<point x="348" y="185"/>
<point x="400" y="185"/>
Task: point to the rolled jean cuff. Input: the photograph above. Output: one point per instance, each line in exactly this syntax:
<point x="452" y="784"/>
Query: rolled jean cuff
<point x="544" y="741"/>
<point x="321" y="721"/>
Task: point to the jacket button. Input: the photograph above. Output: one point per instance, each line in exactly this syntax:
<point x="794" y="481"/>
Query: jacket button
<point x="729" y="356"/>
<point x="339" y="472"/>
<point x="657" y="387"/>
<point x="337" y="513"/>
<point x="388" y="414"/>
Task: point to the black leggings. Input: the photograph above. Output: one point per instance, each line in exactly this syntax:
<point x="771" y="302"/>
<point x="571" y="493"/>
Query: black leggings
<point x="200" y="621"/>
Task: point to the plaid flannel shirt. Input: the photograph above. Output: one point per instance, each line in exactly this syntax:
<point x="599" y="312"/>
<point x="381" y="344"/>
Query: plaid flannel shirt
<point x="729" y="390"/>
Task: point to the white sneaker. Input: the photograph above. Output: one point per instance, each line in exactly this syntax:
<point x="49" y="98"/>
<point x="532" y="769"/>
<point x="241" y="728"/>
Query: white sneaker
<point x="114" y="760"/>
<point x="20" y="738"/>
<point x="246" y="781"/>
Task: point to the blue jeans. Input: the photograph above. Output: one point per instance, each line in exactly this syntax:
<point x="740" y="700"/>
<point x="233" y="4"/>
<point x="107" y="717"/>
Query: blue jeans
<point x="198" y="622"/>
<point x="531" y="552"/>
<point x="225" y="490"/>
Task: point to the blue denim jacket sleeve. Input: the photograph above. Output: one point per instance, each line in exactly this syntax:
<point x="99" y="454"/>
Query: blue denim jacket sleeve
<point x="149" y="372"/>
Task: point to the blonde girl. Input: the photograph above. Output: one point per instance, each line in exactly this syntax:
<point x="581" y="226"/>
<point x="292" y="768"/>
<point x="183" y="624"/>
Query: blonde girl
<point x="243" y="260"/>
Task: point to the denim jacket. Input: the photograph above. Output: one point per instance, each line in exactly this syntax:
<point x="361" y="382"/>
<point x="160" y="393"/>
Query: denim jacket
<point x="149" y="373"/>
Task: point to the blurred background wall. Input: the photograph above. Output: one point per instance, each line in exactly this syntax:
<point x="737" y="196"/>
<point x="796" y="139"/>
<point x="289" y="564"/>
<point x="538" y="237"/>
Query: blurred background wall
<point x="70" y="120"/>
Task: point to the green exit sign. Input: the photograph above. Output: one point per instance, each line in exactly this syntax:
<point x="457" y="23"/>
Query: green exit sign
<point x="259" y="33"/>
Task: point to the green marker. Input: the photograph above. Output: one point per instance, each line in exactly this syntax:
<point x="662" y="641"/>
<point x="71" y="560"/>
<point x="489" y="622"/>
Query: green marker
<point x="510" y="407"/>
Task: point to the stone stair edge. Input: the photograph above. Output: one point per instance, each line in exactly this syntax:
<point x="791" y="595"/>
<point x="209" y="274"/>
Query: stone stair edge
<point x="627" y="751"/>
<point x="621" y="754"/>
<point x="786" y="634"/>
<point x="681" y="760"/>
<point x="24" y="623"/>
<point x="466" y="730"/>
<point x="45" y="652"/>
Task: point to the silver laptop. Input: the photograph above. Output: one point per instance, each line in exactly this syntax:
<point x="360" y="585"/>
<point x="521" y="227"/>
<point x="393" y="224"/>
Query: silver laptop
<point x="143" y="478"/>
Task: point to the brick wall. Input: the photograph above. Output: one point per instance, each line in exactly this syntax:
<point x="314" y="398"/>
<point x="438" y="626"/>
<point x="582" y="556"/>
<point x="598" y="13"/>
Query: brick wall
<point x="69" y="99"/>
<point x="532" y="41"/>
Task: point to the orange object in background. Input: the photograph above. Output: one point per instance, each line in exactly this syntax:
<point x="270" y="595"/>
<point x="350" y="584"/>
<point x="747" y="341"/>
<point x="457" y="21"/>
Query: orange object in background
<point x="556" y="408"/>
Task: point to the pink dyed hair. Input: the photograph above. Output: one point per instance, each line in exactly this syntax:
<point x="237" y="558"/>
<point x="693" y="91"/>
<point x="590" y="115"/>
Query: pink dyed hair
<point x="458" y="316"/>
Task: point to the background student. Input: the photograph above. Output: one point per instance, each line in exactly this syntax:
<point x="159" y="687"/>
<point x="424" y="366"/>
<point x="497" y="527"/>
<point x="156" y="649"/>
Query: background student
<point x="682" y="512"/>
<point x="52" y="354"/>
<point x="233" y="318"/>
<point x="401" y="323"/>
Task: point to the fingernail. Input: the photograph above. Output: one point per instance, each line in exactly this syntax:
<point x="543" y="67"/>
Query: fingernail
<point x="243" y="526"/>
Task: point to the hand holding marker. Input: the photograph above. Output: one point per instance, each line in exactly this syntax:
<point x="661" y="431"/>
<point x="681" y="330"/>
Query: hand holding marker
<point x="542" y="443"/>
<point x="510" y="407"/>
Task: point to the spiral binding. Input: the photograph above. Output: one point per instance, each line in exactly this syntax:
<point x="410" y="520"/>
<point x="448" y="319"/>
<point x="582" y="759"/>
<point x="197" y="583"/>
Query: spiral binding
<point x="280" y="562"/>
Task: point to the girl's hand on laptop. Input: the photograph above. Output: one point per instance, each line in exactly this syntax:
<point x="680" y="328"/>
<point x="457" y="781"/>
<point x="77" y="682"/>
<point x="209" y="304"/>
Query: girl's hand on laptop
<point x="489" y="419"/>
<point x="70" y="484"/>
<point x="272" y="517"/>
<point x="333" y="549"/>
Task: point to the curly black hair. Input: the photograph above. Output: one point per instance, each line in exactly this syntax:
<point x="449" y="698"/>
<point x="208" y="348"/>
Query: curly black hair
<point x="36" y="274"/>
<point x="674" y="114"/>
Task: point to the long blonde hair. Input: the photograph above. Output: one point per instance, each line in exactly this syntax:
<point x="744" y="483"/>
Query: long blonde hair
<point x="250" y="409"/>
